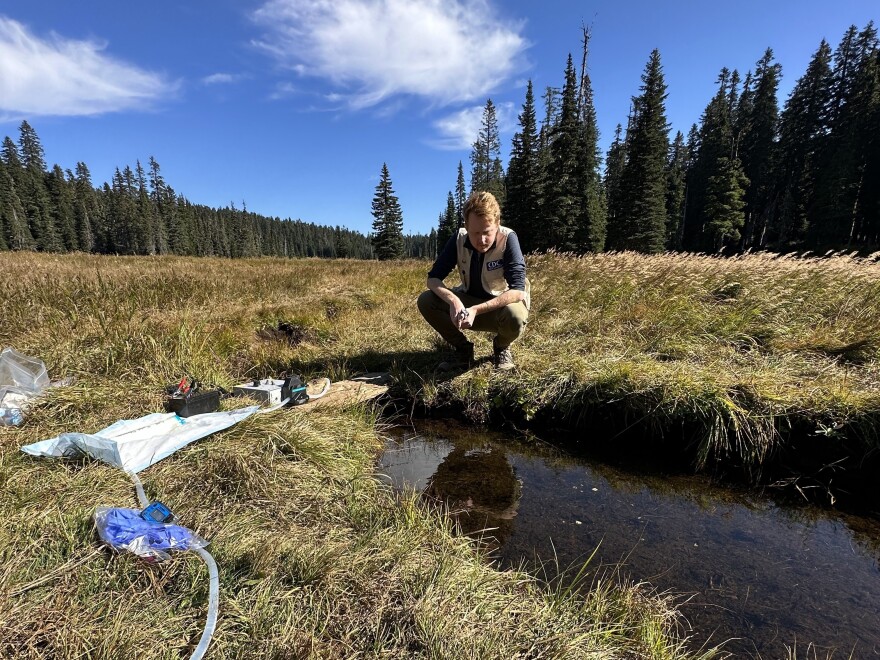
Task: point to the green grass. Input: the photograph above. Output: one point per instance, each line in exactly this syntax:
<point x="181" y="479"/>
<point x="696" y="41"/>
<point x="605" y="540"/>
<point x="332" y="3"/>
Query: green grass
<point x="317" y="558"/>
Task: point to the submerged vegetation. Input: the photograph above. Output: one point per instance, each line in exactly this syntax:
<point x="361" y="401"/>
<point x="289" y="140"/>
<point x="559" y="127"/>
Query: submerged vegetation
<point x="319" y="559"/>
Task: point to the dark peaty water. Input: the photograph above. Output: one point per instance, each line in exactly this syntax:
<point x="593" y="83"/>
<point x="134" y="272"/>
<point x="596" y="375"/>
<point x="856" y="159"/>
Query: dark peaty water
<point x="763" y="576"/>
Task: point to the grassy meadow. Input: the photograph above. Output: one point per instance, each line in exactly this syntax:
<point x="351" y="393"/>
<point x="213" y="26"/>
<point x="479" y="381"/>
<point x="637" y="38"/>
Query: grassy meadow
<point x="317" y="558"/>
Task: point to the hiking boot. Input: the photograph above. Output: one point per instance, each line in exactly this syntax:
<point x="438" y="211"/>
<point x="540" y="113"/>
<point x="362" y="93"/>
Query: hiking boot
<point x="503" y="358"/>
<point x="464" y="357"/>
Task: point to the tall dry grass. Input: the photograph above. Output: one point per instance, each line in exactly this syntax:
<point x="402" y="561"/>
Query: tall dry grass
<point x="317" y="558"/>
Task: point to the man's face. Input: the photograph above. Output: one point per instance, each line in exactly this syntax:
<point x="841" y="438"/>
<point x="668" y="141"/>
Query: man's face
<point x="481" y="232"/>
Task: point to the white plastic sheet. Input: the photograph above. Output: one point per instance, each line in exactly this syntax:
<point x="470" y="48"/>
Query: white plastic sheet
<point x="135" y="444"/>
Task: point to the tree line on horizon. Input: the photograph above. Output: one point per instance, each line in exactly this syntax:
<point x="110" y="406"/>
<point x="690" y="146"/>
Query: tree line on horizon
<point x="138" y="213"/>
<point x="749" y="176"/>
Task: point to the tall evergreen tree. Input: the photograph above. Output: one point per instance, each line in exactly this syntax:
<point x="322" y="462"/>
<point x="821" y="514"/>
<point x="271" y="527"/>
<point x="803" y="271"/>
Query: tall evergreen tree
<point x="4" y="181"/>
<point x="34" y="194"/>
<point x="146" y="213"/>
<point x="16" y="234"/>
<point x="562" y="208"/>
<point x="802" y="128"/>
<point x="163" y="199"/>
<point x="30" y="148"/>
<point x="644" y="179"/>
<point x="522" y="205"/>
<point x="590" y="223"/>
<point x="460" y="197"/>
<point x="725" y="203"/>
<point x="869" y="202"/>
<point x="85" y="208"/>
<point x="123" y="225"/>
<point x="448" y="223"/>
<point x="61" y="208"/>
<point x="615" y="160"/>
<point x="552" y="102"/>
<point x="715" y="156"/>
<point x="676" y="173"/>
<point x="757" y="150"/>
<point x="837" y="217"/>
<point x="387" y="236"/>
<point x="486" y="170"/>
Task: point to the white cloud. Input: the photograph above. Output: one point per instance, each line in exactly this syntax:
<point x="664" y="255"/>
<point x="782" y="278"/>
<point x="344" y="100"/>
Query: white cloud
<point x="282" y="91"/>
<point x="221" y="79"/>
<point x="460" y="129"/>
<point x="446" y="51"/>
<point x="58" y="76"/>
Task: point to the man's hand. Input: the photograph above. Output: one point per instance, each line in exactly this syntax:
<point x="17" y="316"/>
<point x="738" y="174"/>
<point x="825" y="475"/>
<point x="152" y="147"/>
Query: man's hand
<point x="466" y="318"/>
<point x="457" y="312"/>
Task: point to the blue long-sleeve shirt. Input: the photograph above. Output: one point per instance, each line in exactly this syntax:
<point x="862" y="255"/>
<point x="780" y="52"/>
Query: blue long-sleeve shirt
<point x="514" y="265"/>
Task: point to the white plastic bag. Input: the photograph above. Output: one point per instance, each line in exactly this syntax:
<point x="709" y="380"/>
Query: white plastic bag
<point x="21" y="379"/>
<point x="135" y="444"/>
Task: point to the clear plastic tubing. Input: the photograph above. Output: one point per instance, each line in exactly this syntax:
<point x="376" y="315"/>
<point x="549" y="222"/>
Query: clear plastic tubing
<point x="213" y="603"/>
<point x="213" y="580"/>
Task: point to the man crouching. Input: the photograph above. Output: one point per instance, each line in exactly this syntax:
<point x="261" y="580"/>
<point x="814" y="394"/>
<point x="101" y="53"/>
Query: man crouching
<point x="494" y="292"/>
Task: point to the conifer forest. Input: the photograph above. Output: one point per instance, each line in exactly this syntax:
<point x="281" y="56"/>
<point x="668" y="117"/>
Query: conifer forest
<point x="754" y="174"/>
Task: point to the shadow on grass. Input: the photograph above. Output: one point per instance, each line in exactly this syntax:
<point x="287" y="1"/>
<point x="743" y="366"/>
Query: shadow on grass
<point x="406" y="367"/>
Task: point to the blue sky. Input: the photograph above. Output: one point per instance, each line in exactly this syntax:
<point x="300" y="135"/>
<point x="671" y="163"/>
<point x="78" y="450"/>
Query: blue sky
<point x="292" y="106"/>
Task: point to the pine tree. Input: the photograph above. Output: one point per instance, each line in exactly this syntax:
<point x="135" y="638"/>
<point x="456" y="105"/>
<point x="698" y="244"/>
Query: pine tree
<point x="740" y="106"/>
<point x="33" y="193"/>
<point x="85" y="208"/>
<point x="757" y="149"/>
<point x="4" y="181"/>
<point x="387" y="236"/>
<point x="676" y="172"/>
<point x="448" y="223"/>
<point x="562" y="207"/>
<point x="552" y="102"/>
<point x="146" y="213"/>
<point x="61" y="208"/>
<point x="340" y="244"/>
<point x="869" y="203"/>
<point x="163" y="199"/>
<point x="460" y="197"/>
<point x="590" y="223"/>
<point x="522" y="206"/>
<point x="434" y="245"/>
<point x="837" y="217"/>
<point x="715" y="155"/>
<point x="16" y="234"/>
<point x="615" y="161"/>
<point x="725" y="203"/>
<point x="802" y="128"/>
<point x="486" y="170"/>
<point x="644" y="180"/>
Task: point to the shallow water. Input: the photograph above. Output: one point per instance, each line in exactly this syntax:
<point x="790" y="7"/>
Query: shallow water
<point x="763" y="575"/>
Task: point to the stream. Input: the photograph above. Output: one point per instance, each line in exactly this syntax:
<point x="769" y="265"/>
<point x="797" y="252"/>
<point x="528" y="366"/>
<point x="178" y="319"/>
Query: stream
<point x="759" y="575"/>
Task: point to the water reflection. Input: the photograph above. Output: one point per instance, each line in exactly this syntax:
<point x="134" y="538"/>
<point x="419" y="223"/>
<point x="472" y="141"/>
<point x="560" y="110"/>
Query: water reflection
<point x="759" y="574"/>
<point x="475" y="480"/>
<point x="481" y="486"/>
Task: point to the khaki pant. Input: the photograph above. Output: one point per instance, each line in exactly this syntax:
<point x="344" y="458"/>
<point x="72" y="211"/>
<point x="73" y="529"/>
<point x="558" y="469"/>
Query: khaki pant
<point x="507" y="323"/>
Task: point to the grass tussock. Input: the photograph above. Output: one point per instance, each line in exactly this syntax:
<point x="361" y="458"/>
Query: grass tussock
<point x="317" y="558"/>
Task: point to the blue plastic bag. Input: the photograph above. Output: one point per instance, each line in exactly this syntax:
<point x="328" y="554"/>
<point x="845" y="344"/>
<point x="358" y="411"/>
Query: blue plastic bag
<point x="125" y="529"/>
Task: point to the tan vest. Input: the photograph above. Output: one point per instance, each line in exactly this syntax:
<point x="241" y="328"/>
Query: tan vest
<point x="492" y="274"/>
